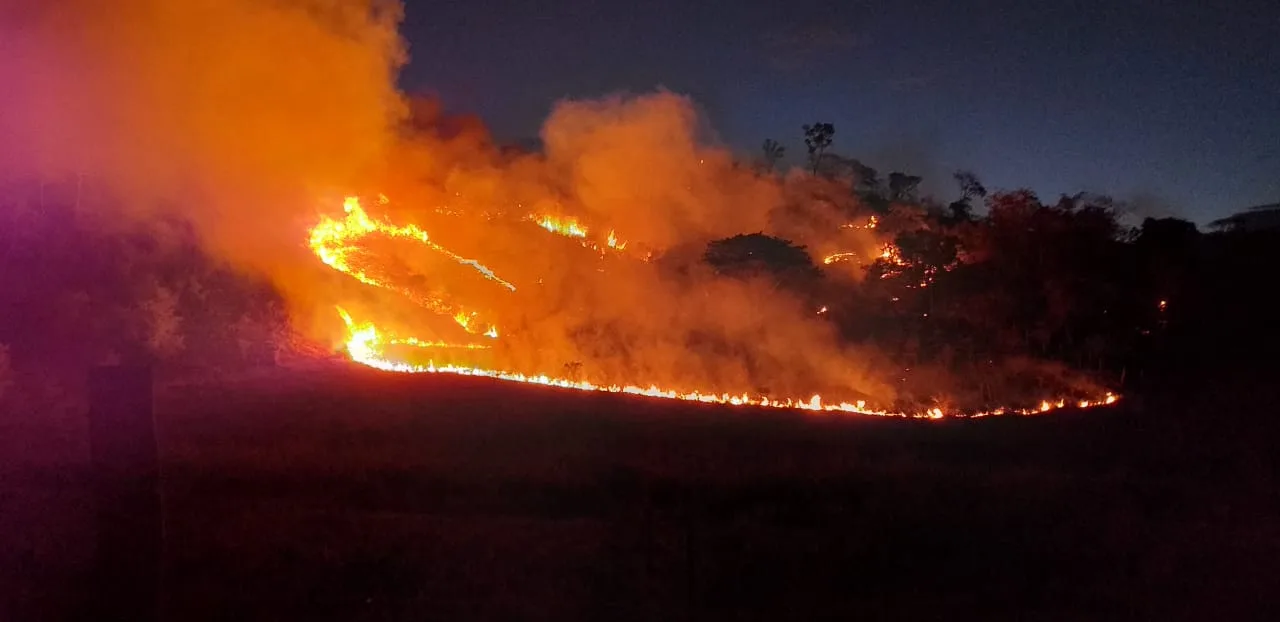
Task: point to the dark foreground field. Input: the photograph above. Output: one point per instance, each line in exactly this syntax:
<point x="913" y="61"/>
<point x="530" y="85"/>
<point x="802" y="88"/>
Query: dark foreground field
<point x="352" y="495"/>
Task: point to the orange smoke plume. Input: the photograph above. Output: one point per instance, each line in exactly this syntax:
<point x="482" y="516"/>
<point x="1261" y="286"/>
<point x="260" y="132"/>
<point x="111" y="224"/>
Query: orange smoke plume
<point x="581" y="265"/>
<point x="233" y="114"/>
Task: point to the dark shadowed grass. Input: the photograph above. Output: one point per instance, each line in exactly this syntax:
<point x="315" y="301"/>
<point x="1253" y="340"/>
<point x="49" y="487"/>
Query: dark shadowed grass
<point x="353" y="495"/>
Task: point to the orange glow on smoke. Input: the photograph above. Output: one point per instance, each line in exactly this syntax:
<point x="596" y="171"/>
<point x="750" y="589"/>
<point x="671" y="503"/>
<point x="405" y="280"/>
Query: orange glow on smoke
<point x="337" y="242"/>
<point x="216" y="118"/>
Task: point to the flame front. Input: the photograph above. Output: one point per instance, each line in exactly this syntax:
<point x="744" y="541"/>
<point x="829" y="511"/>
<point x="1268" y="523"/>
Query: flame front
<point x="568" y="227"/>
<point x="571" y="228"/>
<point x="336" y="242"/>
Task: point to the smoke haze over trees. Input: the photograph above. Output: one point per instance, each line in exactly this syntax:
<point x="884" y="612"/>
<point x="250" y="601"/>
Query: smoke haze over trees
<point x="158" y="195"/>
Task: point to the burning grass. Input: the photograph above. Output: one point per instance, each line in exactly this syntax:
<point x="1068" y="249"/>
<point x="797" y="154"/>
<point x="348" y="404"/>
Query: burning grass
<point x="579" y="265"/>
<point x="337" y="242"/>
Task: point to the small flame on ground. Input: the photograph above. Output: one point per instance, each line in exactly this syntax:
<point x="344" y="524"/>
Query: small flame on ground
<point x="568" y="227"/>
<point x="613" y="242"/>
<point x="365" y="346"/>
<point x="870" y="224"/>
<point x="891" y="254"/>
<point x="572" y="228"/>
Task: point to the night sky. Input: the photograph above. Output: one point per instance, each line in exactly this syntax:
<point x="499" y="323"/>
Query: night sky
<point x="1172" y="104"/>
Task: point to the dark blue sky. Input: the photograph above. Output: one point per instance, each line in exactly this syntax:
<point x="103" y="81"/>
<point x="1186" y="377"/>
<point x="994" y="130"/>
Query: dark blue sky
<point x="1173" y="103"/>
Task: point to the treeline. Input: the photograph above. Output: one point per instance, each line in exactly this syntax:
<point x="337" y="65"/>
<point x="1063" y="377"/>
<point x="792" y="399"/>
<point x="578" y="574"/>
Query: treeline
<point x="80" y="288"/>
<point x="989" y="285"/>
<point x="993" y="294"/>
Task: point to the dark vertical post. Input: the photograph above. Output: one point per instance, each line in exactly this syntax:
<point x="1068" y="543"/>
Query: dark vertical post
<point x="691" y="555"/>
<point x="126" y="477"/>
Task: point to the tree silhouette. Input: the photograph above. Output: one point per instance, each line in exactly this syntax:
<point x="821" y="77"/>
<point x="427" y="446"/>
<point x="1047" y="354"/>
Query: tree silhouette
<point x="902" y="187"/>
<point x="970" y="188"/>
<point x="817" y="138"/>
<point x="773" y="153"/>
<point x="868" y="181"/>
<point x="760" y="255"/>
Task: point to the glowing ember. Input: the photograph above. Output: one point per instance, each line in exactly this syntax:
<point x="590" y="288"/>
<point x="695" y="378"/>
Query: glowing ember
<point x="335" y="242"/>
<point x="833" y="258"/>
<point x="870" y="224"/>
<point x="891" y="254"/>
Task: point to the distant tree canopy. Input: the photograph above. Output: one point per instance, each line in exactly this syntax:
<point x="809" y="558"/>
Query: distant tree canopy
<point x="773" y="153"/>
<point x="78" y="292"/>
<point x="760" y="255"/>
<point x="817" y="138"/>
<point x="962" y="288"/>
<point x="970" y="189"/>
<point x="990" y="279"/>
<point x="902" y="187"/>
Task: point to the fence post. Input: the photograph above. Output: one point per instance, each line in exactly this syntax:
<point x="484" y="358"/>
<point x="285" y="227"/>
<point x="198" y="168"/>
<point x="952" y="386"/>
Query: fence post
<point x="691" y="556"/>
<point x="126" y="478"/>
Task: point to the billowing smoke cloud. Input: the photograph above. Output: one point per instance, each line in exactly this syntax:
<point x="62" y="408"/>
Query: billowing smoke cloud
<point x="250" y="117"/>
<point x="651" y="312"/>
<point x="233" y="113"/>
<point x="635" y="163"/>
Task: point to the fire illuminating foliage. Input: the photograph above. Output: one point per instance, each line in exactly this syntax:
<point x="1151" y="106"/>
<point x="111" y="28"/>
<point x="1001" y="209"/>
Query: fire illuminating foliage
<point x="337" y="244"/>
<point x="334" y="242"/>
<point x="571" y="228"/>
<point x="214" y="96"/>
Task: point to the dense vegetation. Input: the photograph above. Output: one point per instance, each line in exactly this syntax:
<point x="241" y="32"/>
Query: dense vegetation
<point x="993" y="285"/>
<point x="81" y="289"/>
<point x="369" y="495"/>
<point x="999" y="289"/>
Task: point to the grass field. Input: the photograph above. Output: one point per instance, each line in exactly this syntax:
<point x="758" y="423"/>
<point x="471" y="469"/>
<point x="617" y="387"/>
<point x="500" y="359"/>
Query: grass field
<point x="353" y="495"/>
